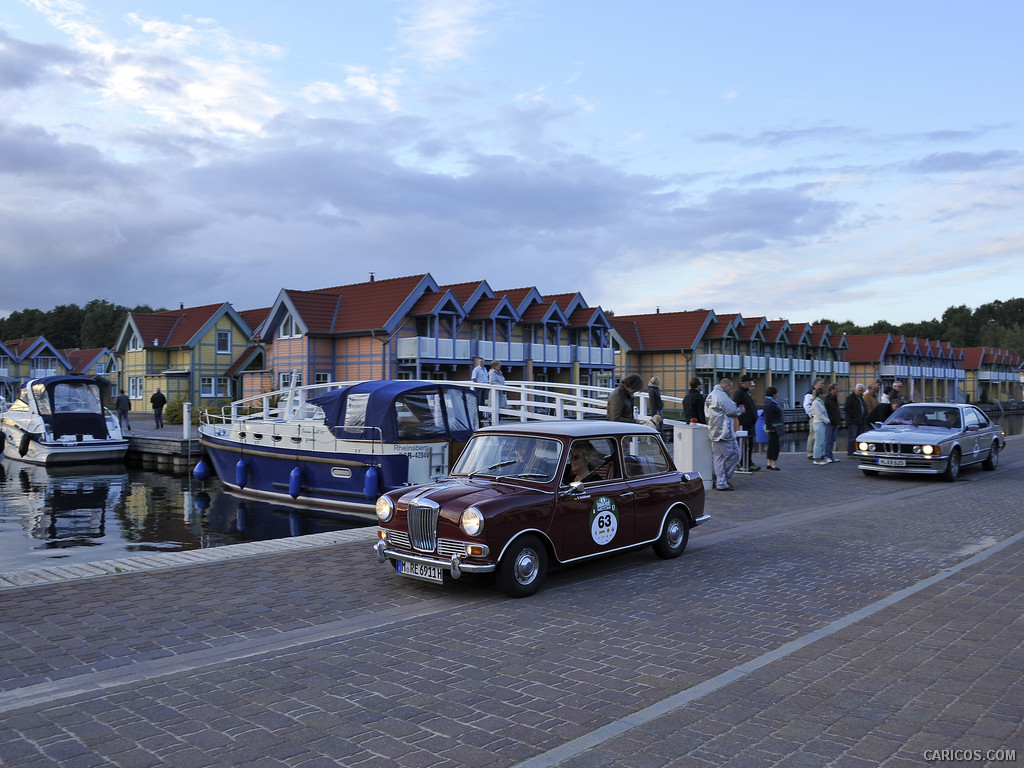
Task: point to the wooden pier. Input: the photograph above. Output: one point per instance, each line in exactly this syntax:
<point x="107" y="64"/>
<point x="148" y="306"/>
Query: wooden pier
<point x="163" y="450"/>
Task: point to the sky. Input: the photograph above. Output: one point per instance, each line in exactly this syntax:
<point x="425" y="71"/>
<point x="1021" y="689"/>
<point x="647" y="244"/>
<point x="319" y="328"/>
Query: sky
<point x="798" y="160"/>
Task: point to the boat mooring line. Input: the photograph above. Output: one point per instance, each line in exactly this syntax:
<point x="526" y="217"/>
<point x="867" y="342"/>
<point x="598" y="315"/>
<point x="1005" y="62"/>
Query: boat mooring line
<point x="670" y="704"/>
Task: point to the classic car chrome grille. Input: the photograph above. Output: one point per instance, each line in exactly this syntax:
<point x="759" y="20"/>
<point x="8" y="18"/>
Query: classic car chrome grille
<point x="399" y="539"/>
<point x="423" y="525"/>
<point x="448" y="547"/>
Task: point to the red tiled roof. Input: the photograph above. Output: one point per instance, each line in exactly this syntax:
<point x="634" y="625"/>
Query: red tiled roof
<point x="357" y="307"/>
<point x="254" y="317"/>
<point x="662" y="330"/>
<point x="173" y="327"/>
<point x="867" y="347"/>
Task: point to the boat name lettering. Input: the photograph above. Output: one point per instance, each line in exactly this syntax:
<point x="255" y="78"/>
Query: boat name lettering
<point x="414" y="451"/>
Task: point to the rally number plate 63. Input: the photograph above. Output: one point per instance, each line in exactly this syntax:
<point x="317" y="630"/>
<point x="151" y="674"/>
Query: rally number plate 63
<point x="432" y="573"/>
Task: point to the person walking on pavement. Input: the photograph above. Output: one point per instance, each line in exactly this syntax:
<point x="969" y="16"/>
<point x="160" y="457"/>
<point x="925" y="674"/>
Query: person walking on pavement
<point x="158" y="401"/>
<point x="835" y="418"/>
<point x="819" y="418"/>
<point x="748" y="422"/>
<point x="808" y="403"/>
<point x="122" y="405"/>
<point x="720" y="412"/>
<point x="856" y="417"/>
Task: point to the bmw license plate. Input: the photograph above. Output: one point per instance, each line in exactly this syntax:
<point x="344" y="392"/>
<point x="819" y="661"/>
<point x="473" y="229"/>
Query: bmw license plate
<point x="892" y="462"/>
<point x="432" y="573"/>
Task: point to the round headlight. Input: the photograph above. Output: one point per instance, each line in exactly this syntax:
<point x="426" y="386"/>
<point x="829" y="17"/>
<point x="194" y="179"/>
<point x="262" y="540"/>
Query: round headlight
<point x="927" y="450"/>
<point x="862" y="446"/>
<point x="385" y="509"/>
<point x="472" y="521"/>
<point x="917" y="449"/>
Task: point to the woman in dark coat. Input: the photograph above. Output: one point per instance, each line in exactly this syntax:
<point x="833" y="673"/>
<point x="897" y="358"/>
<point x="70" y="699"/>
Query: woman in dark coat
<point x="774" y="426"/>
<point x="693" y="403"/>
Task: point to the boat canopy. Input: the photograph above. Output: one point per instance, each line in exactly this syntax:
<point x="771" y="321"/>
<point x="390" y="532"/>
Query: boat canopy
<point x="71" y="405"/>
<point x="395" y="411"/>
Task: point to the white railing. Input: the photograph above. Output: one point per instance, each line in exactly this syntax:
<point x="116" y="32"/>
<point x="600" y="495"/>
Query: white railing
<point x="515" y="401"/>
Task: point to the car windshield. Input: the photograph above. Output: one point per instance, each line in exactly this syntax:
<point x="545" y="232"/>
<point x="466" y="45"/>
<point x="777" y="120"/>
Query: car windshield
<point x="926" y="416"/>
<point x="521" y="456"/>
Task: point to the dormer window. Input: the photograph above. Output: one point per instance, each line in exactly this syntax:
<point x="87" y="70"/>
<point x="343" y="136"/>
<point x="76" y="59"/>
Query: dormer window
<point x="288" y="329"/>
<point x="135" y="343"/>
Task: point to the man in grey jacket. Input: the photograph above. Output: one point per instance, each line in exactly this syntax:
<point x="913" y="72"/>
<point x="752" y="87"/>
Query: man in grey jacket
<point x="720" y="411"/>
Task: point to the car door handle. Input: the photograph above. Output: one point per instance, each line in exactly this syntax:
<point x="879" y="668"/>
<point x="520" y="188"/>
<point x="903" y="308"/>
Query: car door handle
<point x="627" y="493"/>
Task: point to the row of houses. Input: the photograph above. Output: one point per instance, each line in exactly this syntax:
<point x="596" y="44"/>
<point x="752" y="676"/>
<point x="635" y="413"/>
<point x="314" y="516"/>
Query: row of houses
<point x="414" y="328"/>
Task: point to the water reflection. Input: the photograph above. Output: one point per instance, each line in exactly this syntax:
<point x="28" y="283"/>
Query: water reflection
<point x="72" y="516"/>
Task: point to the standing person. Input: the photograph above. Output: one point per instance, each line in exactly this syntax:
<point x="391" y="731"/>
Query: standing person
<point x="655" y="403"/>
<point x="819" y="418"/>
<point x="122" y="405"/>
<point x="693" y="403"/>
<point x="620" y="402"/>
<point x="856" y="417"/>
<point x="497" y="378"/>
<point x="835" y="418"/>
<point x="158" y="401"/>
<point x="774" y="425"/>
<point x="871" y="396"/>
<point x="479" y="376"/>
<point x="748" y="422"/>
<point x="896" y="396"/>
<point x="883" y="410"/>
<point x="808" y="402"/>
<point x="720" y="411"/>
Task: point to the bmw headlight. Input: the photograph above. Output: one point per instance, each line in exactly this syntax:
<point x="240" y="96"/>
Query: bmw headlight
<point x="927" y="450"/>
<point x="862" y="446"/>
<point x="472" y="521"/>
<point x="385" y="509"/>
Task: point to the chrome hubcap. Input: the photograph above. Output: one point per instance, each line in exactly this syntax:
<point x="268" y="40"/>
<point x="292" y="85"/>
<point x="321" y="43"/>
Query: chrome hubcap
<point x="526" y="566"/>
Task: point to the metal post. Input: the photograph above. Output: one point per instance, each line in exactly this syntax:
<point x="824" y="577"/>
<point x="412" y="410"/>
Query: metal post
<point x="186" y="418"/>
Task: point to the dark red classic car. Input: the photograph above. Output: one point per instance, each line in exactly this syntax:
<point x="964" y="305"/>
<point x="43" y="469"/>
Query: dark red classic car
<point x="523" y="497"/>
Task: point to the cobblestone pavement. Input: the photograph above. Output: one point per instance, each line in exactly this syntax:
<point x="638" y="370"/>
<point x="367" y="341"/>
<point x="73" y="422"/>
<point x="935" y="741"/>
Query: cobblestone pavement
<point x="821" y="618"/>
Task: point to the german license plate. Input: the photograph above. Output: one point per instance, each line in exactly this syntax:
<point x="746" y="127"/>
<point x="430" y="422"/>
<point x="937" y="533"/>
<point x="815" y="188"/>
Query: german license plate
<point x="432" y="573"/>
<point x="892" y="462"/>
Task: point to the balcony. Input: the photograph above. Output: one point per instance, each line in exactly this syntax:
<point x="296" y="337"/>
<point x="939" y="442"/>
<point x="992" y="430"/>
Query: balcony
<point x="464" y="350"/>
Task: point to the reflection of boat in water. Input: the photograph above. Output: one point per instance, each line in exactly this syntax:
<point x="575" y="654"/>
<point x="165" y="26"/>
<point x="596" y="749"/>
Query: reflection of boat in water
<point x="235" y="519"/>
<point x="68" y="507"/>
<point x="61" y="420"/>
<point x="342" y="445"/>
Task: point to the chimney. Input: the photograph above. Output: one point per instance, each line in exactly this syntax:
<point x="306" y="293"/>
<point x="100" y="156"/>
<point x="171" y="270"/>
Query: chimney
<point x="371" y="277"/>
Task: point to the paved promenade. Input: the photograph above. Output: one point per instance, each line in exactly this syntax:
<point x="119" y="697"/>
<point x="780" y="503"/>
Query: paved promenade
<point x="822" y="618"/>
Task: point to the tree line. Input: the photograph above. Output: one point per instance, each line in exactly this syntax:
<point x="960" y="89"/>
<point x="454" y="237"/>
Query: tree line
<point x="69" y="326"/>
<point x="997" y="324"/>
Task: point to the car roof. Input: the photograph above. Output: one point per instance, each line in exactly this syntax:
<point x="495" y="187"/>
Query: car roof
<point x="570" y="428"/>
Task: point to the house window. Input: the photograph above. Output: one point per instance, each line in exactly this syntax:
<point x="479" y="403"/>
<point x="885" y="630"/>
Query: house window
<point x="223" y="342"/>
<point x="206" y="386"/>
<point x="135" y="387"/>
<point x="285" y="379"/>
<point x="101" y="368"/>
<point x="289" y="329"/>
<point x="135" y="343"/>
<point x="321" y="378"/>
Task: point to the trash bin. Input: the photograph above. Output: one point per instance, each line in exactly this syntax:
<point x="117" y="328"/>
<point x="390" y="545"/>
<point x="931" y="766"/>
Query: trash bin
<point x="691" y="451"/>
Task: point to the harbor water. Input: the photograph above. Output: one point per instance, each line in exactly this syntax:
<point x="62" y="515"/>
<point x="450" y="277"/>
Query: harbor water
<point x="51" y="517"/>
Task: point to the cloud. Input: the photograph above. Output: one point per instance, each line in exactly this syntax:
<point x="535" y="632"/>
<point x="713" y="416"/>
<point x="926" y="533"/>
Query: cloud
<point x="24" y="64"/>
<point x="964" y="162"/>
<point x="439" y="32"/>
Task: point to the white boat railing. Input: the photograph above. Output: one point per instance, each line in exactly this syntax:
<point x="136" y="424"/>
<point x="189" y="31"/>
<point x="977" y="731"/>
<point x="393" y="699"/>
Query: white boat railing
<point x="513" y="401"/>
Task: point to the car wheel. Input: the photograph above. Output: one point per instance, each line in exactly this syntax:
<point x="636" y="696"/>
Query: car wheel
<point x="523" y="568"/>
<point x="993" y="457"/>
<point x="870" y="472"/>
<point x="953" y="467"/>
<point x="673" y="538"/>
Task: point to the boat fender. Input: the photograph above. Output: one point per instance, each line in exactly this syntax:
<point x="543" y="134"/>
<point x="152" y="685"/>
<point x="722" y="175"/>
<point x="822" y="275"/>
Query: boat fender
<point x="26" y="439"/>
<point x="201" y="471"/>
<point x="295" y="482"/>
<point x="3" y="440"/>
<point x="240" y="473"/>
<point x="370" y="486"/>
